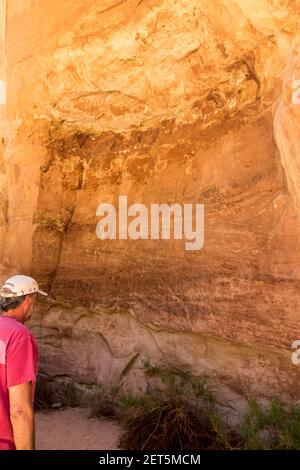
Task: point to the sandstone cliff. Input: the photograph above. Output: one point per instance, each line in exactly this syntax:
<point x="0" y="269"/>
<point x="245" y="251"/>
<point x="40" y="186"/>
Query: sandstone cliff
<point x="164" y="101"/>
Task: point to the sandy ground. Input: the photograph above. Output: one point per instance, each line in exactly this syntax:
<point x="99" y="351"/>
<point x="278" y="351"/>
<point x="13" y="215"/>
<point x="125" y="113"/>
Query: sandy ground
<point x="71" y="428"/>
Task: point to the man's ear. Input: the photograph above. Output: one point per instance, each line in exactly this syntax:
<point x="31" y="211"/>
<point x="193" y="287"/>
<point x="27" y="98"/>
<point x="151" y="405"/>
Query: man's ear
<point x="30" y="299"/>
<point x="26" y="301"/>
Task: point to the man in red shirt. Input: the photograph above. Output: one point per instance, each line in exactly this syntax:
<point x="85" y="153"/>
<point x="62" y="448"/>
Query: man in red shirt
<point x="18" y="363"/>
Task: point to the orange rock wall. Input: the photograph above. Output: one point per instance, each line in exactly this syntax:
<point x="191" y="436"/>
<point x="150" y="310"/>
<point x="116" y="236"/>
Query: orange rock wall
<point x="163" y="101"/>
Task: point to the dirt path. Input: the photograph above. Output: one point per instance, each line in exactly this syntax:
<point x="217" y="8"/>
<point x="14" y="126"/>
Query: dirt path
<point x="71" y="428"/>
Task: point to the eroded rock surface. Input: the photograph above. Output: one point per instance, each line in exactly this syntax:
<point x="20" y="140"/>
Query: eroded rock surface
<point x="162" y="101"/>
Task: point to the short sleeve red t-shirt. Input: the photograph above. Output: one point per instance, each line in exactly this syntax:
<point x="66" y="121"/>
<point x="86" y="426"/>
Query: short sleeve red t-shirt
<point x="18" y="365"/>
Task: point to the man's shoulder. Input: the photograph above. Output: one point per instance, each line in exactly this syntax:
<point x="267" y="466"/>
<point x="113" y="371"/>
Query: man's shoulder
<point x="14" y="330"/>
<point x="21" y="333"/>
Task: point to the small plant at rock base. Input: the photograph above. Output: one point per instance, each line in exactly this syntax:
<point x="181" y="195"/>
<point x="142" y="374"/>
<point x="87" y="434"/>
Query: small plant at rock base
<point x="103" y="403"/>
<point x="129" y="401"/>
<point x="152" y="370"/>
<point x="202" y="391"/>
<point x="70" y="393"/>
<point x="173" y="380"/>
<point x="276" y="426"/>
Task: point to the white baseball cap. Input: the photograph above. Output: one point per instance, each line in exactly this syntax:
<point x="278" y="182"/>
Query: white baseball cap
<point x="20" y="285"/>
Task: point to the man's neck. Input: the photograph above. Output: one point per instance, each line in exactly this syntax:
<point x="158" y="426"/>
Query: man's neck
<point x="11" y="315"/>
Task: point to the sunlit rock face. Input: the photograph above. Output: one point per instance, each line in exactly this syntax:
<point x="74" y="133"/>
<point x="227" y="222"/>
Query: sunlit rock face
<point x="164" y="102"/>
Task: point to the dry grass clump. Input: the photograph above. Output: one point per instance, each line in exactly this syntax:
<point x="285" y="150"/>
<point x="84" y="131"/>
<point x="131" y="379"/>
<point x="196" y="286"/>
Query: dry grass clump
<point x="176" y="425"/>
